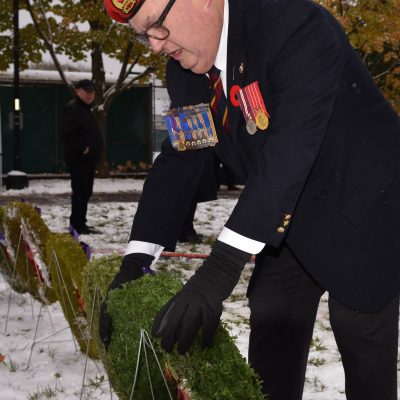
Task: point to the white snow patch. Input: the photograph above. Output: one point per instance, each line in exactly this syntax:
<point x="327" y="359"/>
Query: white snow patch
<point x="59" y="366"/>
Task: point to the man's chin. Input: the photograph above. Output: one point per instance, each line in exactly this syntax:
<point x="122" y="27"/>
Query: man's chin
<point x="196" y="67"/>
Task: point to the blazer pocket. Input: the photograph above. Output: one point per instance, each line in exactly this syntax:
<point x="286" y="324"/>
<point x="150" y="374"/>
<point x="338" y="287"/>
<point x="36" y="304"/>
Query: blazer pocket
<point x="366" y="194"/>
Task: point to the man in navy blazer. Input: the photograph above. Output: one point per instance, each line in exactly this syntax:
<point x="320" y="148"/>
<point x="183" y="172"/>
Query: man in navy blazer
<point x="321" y="196"/>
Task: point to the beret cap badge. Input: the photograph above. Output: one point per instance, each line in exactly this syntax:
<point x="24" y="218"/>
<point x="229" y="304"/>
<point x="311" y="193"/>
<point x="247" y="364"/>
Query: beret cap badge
<point x="125" y="6"/>
<point x="122" y="10"/>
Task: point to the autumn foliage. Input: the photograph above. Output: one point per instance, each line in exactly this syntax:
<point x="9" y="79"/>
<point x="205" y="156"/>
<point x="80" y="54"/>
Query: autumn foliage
<point x="373" y="28"/>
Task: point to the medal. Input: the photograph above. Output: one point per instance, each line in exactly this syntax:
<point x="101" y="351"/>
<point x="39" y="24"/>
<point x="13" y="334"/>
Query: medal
<point x="181" y="146"/>
<point x="253" y="108"/>
<point x="251" y="127"/>
<point x="262" y="120"/>
<point x="190" y="127"/>
<point x="244" y="103"/>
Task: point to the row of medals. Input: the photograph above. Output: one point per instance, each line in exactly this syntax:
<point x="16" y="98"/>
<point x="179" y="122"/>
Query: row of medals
<point x="201" y="134"/>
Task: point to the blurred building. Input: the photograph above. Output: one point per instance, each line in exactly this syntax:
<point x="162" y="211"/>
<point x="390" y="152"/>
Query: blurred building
<point x="135" y="127"/>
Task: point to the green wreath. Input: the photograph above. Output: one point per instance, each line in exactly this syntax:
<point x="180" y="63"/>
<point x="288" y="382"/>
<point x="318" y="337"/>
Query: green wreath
<point x="216" y="373"/>
<point x="66" y="261"/>
<point x="26" y="235"/>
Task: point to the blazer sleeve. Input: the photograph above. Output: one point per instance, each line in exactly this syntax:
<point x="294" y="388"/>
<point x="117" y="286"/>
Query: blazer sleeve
<point x="167" y="195"/>
<point x="305" y="70"/>
<point x="173" y="181"/>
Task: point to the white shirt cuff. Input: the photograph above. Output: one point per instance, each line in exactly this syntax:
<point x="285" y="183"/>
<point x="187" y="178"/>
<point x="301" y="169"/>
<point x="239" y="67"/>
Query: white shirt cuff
<point x="152" y="249"/>
<point x="240" y="242"/>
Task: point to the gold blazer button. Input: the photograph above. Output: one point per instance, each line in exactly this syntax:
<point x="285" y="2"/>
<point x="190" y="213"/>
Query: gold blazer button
<point x="281" y="229"/>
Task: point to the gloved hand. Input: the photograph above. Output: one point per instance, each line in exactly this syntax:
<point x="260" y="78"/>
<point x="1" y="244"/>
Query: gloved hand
<point x="133" y="267"/>
<point x="199" y="303"/>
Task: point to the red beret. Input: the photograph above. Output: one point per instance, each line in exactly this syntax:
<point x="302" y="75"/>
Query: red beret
<point x="122" y="10"/>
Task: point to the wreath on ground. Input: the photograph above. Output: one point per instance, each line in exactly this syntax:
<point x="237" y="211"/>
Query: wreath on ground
<point x="219" y="372"/>
<point x="24" y="256"/>
<point x="67" y="260"/>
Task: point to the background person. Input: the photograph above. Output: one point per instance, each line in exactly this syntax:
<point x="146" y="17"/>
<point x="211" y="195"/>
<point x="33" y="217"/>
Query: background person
<point x="81" y="138"/>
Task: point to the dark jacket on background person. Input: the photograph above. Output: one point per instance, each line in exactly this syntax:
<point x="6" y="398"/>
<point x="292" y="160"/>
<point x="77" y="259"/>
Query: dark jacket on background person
<point x="78" y="130"/>
<point x="81" y="136"/>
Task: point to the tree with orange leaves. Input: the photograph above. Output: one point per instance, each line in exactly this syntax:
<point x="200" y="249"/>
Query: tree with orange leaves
<point x="373" y="28"/>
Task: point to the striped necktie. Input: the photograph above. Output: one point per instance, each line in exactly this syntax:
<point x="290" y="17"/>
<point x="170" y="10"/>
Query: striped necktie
<point x="219" y="105"/>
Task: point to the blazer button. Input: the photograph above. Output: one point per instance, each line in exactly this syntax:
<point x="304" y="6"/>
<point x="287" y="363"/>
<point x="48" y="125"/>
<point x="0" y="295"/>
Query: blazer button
<point x="286" y="223"/>
<point x="281" y="229"/>
<point x="288" y="217"/>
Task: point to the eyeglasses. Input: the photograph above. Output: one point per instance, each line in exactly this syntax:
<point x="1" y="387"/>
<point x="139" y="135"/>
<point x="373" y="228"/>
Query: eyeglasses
<point x="156" y="30"/>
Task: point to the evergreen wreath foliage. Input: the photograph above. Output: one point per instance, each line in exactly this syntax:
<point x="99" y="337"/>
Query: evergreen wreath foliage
<point x="67" y="261"/>
<point x="5" y="263"/>
<point x="219" y="372"/>
<point x="97" y="275"/>
<point x="26" y="235"/>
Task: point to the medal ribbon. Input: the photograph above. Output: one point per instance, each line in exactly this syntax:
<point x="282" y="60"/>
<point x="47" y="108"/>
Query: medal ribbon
<point x="190" y="127"/>
<point x="256" y="101"/>
<point x="243" y="105"/>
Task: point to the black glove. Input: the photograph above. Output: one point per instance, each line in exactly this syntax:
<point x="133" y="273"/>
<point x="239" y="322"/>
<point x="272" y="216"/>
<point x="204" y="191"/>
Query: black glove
<point x="132" y="267"/>
<point x="199" y="303"/>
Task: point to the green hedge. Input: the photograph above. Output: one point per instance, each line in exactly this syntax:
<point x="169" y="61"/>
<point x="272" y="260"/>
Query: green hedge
<point x="66" y="261"/>
<point x="219" y="372"/>
<point x="24" y="227"/>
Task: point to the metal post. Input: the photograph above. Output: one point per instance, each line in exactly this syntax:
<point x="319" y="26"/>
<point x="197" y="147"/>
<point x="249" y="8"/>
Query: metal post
<point x="153" y="117"/>
<point x="1" y="155"/>
<point x="16" y="105"/>
<point x="16" y="179"/>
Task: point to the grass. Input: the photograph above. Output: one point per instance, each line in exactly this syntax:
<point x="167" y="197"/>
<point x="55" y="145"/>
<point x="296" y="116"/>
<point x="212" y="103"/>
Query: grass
<point x="316" y="361"/>
<point x="317" y="345"/>
<point x="97" y="381"/>
<point x="45" y="393"/>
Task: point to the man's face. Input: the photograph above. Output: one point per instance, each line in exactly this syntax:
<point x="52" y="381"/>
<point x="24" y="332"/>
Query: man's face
<point x="195" y="30"/>
<point x="86" y="96"/>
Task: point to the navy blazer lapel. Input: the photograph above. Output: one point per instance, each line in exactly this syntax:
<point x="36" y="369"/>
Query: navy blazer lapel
<point x="236" y="59"/>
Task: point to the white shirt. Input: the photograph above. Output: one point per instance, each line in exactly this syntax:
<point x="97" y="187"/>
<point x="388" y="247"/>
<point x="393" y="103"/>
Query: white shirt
<point x="222" y="53"/>
<point x="227" y="235"/>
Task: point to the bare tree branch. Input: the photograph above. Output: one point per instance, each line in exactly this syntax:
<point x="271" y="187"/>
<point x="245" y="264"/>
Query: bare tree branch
<point x="340" y="8"/>
<point x="106" y="36"/>
<point x="47" y="41"/>
<point x="50" y="37"/>
<point x="125" y="72"/>
<point x="129" y="71"/>
<point x="122" y="72"/>
<point x="137" y="77"/>
<point x="387" y="71"/>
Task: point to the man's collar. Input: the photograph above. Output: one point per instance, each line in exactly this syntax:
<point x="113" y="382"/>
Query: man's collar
<point x="220" y="59"/>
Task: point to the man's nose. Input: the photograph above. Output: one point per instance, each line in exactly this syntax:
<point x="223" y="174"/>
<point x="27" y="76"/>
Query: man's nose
<point x="157" y="45"/>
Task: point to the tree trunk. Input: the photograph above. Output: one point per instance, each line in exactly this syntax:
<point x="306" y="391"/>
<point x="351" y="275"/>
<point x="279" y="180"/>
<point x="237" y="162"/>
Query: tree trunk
<point x="100" y="111"/>
<point x="102" y="165"/>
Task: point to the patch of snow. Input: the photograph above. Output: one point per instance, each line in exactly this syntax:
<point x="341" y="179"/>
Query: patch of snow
<point x="57" y="365"/>
<point x="16" y="173"/>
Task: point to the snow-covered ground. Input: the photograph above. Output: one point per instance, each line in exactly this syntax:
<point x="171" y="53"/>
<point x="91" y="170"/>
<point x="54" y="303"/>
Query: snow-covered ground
<point x="56" y="370"/>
